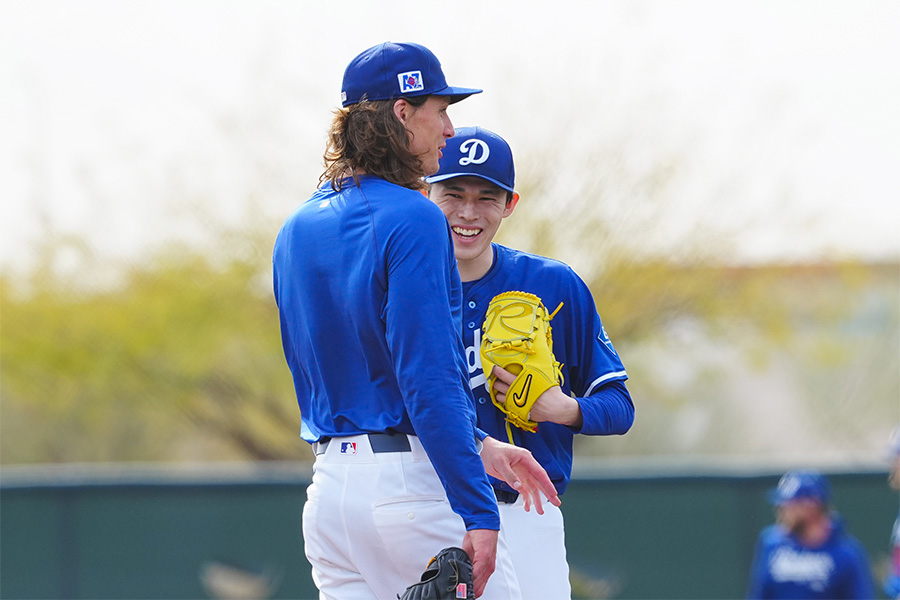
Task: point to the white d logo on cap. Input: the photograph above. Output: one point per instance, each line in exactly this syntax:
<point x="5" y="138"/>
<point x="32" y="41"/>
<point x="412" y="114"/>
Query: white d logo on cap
<point x="478" y="152"/>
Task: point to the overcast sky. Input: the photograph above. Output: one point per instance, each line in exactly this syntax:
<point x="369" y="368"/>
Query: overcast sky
<point x="783" y="112"/>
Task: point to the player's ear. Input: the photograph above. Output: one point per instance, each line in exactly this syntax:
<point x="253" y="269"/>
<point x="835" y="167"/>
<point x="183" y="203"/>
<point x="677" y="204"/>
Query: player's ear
<point x="401" y="110"/>
<point x="511" y="204"/>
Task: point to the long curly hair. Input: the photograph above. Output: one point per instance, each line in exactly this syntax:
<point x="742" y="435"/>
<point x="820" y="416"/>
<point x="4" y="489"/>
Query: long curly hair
<point x="368" y="137"/>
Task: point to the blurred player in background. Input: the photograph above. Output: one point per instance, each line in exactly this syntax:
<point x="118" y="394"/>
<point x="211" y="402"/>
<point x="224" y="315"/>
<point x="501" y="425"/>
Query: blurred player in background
<point x="807" y="553"/>
<point x="368" y="295"/>
<point x="474" y="187"/>
<point x="892" y="579"/>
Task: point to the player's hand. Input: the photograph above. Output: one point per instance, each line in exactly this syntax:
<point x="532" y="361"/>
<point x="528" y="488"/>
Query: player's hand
<point x="517" y="467"/>
<point x="554" y="405"/>
<point x="481" y="546"/>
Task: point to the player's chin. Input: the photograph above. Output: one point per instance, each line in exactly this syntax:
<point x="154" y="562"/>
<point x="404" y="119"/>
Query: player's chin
<point x="467" y="251"/>
<point x="431" y="164"/>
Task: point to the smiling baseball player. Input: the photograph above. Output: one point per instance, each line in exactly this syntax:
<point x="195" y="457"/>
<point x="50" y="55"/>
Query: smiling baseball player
<point x="474" y="188"/>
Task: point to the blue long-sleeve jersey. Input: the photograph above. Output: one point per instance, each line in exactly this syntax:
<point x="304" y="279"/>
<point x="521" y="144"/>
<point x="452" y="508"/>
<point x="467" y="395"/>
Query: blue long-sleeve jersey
<point x="785" y="569"/>
<point x="591" y="368"/>
<point x="369" y="301"/>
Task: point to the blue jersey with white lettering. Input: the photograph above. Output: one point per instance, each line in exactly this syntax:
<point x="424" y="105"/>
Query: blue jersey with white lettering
<point x="592" y="370"/>
<point x="784" y="568"/>
<point x="369" y="301"/>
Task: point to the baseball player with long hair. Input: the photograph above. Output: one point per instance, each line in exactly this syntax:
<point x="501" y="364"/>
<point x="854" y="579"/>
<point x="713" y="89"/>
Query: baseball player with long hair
<point x="474" y="188"/>
<point x="369" y="296"/>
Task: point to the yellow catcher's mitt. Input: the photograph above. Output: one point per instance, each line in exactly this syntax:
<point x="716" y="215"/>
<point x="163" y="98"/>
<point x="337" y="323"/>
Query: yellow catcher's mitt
<point x="516" y="337"/>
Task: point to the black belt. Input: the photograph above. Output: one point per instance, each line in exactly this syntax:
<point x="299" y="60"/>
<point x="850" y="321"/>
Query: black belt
<point x="505" y="497"/>
<point x="380" y="442"/>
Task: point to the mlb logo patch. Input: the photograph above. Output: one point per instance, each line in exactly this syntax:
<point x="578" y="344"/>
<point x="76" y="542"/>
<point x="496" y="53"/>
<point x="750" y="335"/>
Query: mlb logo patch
<point x="411" y="81"/>
<point x="461" y="590"/>
<point x="348" y="447"/>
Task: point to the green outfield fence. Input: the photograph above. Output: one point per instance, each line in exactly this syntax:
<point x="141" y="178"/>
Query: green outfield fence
<point x="216" y="531"/>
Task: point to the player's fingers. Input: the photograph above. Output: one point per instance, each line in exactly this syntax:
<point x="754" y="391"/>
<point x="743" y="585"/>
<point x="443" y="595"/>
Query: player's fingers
<point x="553" y="498"/>
<point x="469" y="546"/>
<point x="480" y="576"/>
<point x="479" y="581"/>
<point x="531" y="480"/>
<point x="500" y="386"/>
<point x="508" y="474"/>
<point x="539" y="481"/>
<point x="532" y="497"/>
<point x="500" y="390"/>
<point x="538" y="505"/>
<point x="549" y="491"/>
<point x="528" y="496"/>
<point x="503" y="375"/>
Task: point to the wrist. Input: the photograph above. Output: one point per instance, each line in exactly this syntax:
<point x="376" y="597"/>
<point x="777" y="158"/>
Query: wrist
<point x="574" y="418"/>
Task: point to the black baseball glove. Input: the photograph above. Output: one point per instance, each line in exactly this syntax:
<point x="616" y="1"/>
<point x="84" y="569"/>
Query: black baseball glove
<point x="448" y="576"/>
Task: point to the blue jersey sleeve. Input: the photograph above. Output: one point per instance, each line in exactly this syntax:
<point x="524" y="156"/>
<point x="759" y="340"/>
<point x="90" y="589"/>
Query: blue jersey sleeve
<point x="598" y="374"/>
<point x="608" y="411"/>
<point x="424" y="343"/>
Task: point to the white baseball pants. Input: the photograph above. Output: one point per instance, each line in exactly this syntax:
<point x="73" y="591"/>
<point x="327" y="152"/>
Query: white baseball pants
<point x="373" y="520"/>
<point x="537" y="544"/>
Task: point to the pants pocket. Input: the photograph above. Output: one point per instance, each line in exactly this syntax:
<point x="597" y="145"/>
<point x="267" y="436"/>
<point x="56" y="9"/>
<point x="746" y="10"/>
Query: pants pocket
<point x="414" y="529"/>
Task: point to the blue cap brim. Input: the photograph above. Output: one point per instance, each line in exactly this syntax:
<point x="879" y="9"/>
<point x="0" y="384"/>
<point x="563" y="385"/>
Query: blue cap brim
<point x="456" y="93"/>
<point x="445" y="176"/>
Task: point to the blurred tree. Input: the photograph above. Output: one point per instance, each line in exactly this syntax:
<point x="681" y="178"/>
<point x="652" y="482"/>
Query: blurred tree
<point x="178" y="356"/>
<point x="771" y="362"/>
<point x="181" y="360"/>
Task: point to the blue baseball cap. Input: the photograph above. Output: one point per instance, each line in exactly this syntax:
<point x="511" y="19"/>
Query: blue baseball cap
<point x="798" y="485"/>
<point x="395" y="70"/>
<point x="477" y="152"/>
